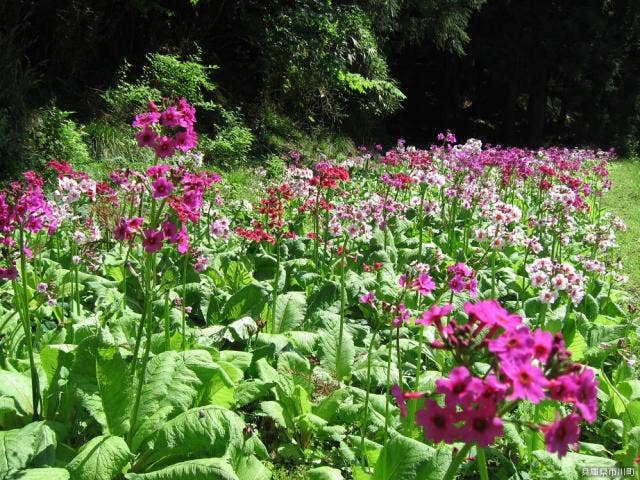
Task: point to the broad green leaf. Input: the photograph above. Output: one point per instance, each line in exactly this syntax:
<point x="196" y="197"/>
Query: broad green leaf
<point x="115" y="385"/>
<point x="200" y="432"/>
<point x="18" y="387"/>
<point x="30" y="446"/>
<point x="248" y="301"/>
<point x="40" y="474"/>
<point x="174" y="379"/>
<point x="336" y="357"/>
<point x="324" y="473"/>
<point x="407" y="459"/>
<point x="206" y="468"/>
<point x="250" y="391"/>
<point x="101" y="458"/>
<point x="291" y="309"/>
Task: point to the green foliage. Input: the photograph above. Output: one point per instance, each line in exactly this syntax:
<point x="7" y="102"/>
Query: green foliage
<point x="326" y="60"/>
<point x="52" y="134"/>
<point x="231" y="145"/>
<point x="163" y="75"/>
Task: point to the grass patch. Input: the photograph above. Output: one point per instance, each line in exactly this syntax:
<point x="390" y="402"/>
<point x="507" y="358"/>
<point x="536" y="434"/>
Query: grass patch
<point x="624" y="200"/>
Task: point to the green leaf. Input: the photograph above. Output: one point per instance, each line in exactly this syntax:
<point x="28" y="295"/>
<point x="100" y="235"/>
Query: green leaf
<point x="407" y="459"/>
<point x="174" y="379"/>
<point x="324" y="473"/>
<point x="30" y="446"/>
<point x="209" y="468"/>
<point x="101" y="458"/>
<point x="291" y="308"/>
<point x="18" y="387"/>
<point x="248" y="301"/>
<point x="329" y="343"/>
<point x="40" y="474"/>
<point x="200" y="432"/>
<point x="115" y="386"/>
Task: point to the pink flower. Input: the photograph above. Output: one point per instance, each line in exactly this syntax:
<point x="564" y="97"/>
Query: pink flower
<point x="424" y="284"/>
<point x="186" y="140"/>
<point x="152" y="240"/>
<point x="146" y="137"/>
<point x="438" y="422"/>
<point x="586" y="395"/>
<point x="403" y="316"/>
<point x="542" y="341"/>
<point x="368" y="298"/>
<point x="164" y="147"/>
<point x="402" y="397"/>
<point x="171" y="117"/>
<point x="513" y="345"/>
<point x="459" y="387"/>
<point x="169" y="229"/>
<point x="562" y="388"/>
<point x="145" y="119"/>
<point x="489" y="313"/>
<point x="434" y="314"/>
<point x="527" y="381"/>
<point x="481" y="425"/>
<point x="162" y="188"/>
<point x="561" y="434"/>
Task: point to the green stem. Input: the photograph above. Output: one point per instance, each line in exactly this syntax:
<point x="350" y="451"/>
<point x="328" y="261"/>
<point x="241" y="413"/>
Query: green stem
<point x="167" y="327"/>
<point x="419" y="360"/>
<point x="274" y="301"/>
<point x="482" y="464"/>
<point x="456" y="461"/>
<point x="388" y="381"/>
<point x="343" y="268"/>
<point x="365" y="413"/>
<point x="26" y="325"/>
<point x="185" y="262"/>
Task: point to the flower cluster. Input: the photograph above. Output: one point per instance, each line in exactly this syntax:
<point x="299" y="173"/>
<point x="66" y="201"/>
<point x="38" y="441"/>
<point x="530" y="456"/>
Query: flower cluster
<point x="462" y="278"/>
<point x="167" y="130"/>
<point x="553" y="279"/>
<point x="525" y="365"/>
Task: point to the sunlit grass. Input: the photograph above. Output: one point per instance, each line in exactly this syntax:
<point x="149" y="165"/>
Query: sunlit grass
<point x="624" y="200"/>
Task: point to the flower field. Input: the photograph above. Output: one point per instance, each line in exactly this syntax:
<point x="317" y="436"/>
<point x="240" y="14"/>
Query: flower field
<point x="453" y="312"/>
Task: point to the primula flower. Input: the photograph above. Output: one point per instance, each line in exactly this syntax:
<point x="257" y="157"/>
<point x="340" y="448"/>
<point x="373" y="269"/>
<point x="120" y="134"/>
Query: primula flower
<point x="562" y="433"/>
<point x="146" y="137"/>
<point x="459" y="387"/>
<point x="438" y="422"/>
<point x="434" y="314"/>
<point x="165" y="147"/>
<point x="527" y="381"/>
<point x="586" y="395"/>
<point x="153" y="239"/>
<point x="481" y="426"/>
<point x="368" y="298"/>
<point x="403" y="316"/>
<point x="402" y="397"/>
<point x="162" y="188"/>
<point x="424" y="284"/>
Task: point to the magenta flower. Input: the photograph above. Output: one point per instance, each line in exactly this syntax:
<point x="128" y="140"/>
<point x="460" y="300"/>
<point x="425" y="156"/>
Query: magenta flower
<point x="162" y="188"/>
<point x="165" y="147"/>
<point x="152" y="241"/>
<point x="146" y="119"/>
<point x="562" y="433"/>
<point x="403" y="316"/>
<point x="402" y="397"/>
<point x="434" y="314"/>
<point x="171" y="117"/>
<point x="438" y="422"/>
<point x="459" y="387"/>
<point x="186" y="140"/>
<point x="368" y="298"/>
<point x="562" y="388"/>
<point x="542" y="342"/>
<point x="489" y="313"/>
<point x="586" y="395"/>
<point x="481" y="425"/>
<point x="146" y="137"/>
<point x="424" y="284"/>
<point x="527" y="381"/>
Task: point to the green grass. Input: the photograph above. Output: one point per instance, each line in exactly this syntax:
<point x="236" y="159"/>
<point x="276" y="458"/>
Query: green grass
<point x="624" y="201"/>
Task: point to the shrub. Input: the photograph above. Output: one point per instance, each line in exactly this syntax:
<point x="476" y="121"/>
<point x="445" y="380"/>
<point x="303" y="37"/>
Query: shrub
<point x="51" y="133"/>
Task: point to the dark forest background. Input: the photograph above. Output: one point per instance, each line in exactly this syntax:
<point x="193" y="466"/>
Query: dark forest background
<point x="265" y="74"/>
